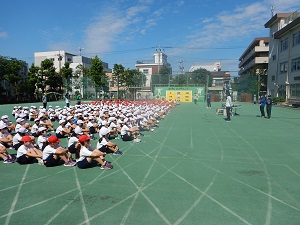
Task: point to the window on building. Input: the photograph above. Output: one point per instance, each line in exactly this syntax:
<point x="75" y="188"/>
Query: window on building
<point x="52" y="59"/>
<point x="283" y="67"/>
<point x="284" y="44"/>
<point x="145" y="71"/>
<point x="69" y="59"/>
<point x="295" y="64"/>
<point x="296" y="38"/>
<point x="273" y="78"/>
<point x="273" y="57"/>
<point x="111" y="83"/>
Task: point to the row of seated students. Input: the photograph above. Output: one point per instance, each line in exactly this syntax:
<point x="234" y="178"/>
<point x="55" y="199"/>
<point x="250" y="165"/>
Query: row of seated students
<point x="39" y="141"/>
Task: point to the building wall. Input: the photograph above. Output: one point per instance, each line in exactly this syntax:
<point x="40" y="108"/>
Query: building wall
<point x="284" y="57"/>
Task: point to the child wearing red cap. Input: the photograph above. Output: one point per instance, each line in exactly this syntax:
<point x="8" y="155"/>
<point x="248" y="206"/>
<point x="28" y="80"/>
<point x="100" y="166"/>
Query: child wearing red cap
<point x="88" y="154"/>
<point x="27" y="153"/>
<point x="53" y="152"/>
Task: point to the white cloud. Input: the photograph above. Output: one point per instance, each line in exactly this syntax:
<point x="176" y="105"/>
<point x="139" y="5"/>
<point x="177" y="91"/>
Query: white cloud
<point x="229" y="27"/>
<point x="3" y="34"/>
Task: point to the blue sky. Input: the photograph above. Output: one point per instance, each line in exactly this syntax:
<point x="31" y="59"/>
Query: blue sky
<point x="124" y="31"/>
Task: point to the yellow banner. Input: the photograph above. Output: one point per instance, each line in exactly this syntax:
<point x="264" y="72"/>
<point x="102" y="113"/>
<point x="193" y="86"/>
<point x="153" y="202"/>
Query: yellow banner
<point x="181" y="96"/>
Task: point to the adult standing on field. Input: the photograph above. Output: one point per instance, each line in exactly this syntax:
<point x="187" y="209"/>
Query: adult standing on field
<point x="78" y="98"/>
<point x="67" y="98"/>
<point x="262" y="104"/>
<point x="196" y="98"/>
<point x="44" y="100"/>
<point x="269" y="103"/>
<point x="228" y="105"/>
<point x="208" y="97"/>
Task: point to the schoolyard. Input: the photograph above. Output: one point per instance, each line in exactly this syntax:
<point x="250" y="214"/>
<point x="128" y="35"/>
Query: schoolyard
<point x="194" y="169"/>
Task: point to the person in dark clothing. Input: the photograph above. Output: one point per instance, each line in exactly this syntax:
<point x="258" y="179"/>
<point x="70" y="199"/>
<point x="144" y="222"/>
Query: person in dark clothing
<point x="262" y="104"/>
<point x="269" y="103"/>
<point x="208" y="96"/>
<point x="44" y="100"/>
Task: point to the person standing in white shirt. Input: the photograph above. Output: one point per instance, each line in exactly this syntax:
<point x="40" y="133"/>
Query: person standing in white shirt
<point x="228" y="105"/>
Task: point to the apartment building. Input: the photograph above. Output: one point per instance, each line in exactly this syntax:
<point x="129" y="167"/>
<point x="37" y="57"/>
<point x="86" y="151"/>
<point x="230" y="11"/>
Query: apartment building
<point x="256" y="54"/>
<point x="152" y="67"/>
<point x="284" y="56"/>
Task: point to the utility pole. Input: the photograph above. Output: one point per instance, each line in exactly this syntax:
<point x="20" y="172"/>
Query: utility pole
<point x="272" y="10"/>
<point x="80" y="49"/>
<point x="158" y="50"/>
<point x="181" y="69"/>
<point x="59" y="61"/>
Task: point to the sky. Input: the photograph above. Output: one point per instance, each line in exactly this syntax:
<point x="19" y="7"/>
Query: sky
<point x="124" y="31"/>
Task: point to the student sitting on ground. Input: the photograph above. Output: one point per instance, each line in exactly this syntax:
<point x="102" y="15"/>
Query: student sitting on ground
<point x="10" y="126"/>
<point x="88" y="154"/>
<point x="53" y="152"/>
<point x="27" y="153"/>
<point x="35" y="127"/>
<point x="73" y="143"/>
<point x="42" y="138"/>
<point x="128" y="134"/>
<point x="18" y="136"/>
<point x="105" y="145"/>
<point x="62" y="131"/>
<point x="5" y="137"/>
<point x="7" y="158"/>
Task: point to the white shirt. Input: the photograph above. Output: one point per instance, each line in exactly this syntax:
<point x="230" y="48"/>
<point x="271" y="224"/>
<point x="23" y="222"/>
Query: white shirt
<point x="40" y="141"/>
<point x="228" y="101"/>
<point x="85" y="152"/>
<point x="59" y="129"/>
<point x="72" y="140"/>
<point x="102" y="143"/>
<point x="124" y="129"/>
<point x="34" y="128"/>
<point x="17" y="138"/>
<point x="22" y="150"/>
<point x="48" y="150"/>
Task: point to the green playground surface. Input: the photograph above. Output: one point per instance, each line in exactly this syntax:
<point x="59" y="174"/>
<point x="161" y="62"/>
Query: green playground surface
<point x="194" y="169"/>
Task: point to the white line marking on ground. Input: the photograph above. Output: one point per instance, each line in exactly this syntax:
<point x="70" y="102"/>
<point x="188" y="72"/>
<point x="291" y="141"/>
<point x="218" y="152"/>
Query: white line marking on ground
<point x="269" y="210"/>
<point x="207" y="188"/>
<point x="120" y="202"/>
<point x="81" y="198"/>
<point x="143" y="182"/>
<point x="292" y="170"/>
<point x="260" y="191"/>
<point x="28" y="182"/>
<point x="12" y="207"/>
<point x="211" y="198"/>
<point x="60" y="211"/>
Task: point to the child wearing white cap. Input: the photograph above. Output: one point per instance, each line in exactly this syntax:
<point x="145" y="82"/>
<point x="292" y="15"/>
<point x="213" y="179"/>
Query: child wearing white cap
<point x="10" y="125"/>
<point x="5" y="137"/>
<point x="42" y="138"/>
<point x="62" y="131"/>
<point x="18" y="136"/>
<point x="7" y="158"/>
<point x="128" y="134"/>
<point x="105" y="145"/>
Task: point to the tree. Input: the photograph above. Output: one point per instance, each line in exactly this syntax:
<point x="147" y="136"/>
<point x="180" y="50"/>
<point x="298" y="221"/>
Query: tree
<point x="134" y="80"/>
<point x="33" y="87"/>
<point x="117" y="76"/>
<point x="200" y="76"/>
<point x="247" y="84"/>
<point x="13" y="75"/>
<point x="97" y="74"/>
<point x="163" y="77"/>
<point x="50" y="77"/>
<point x="67" y="73"/>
